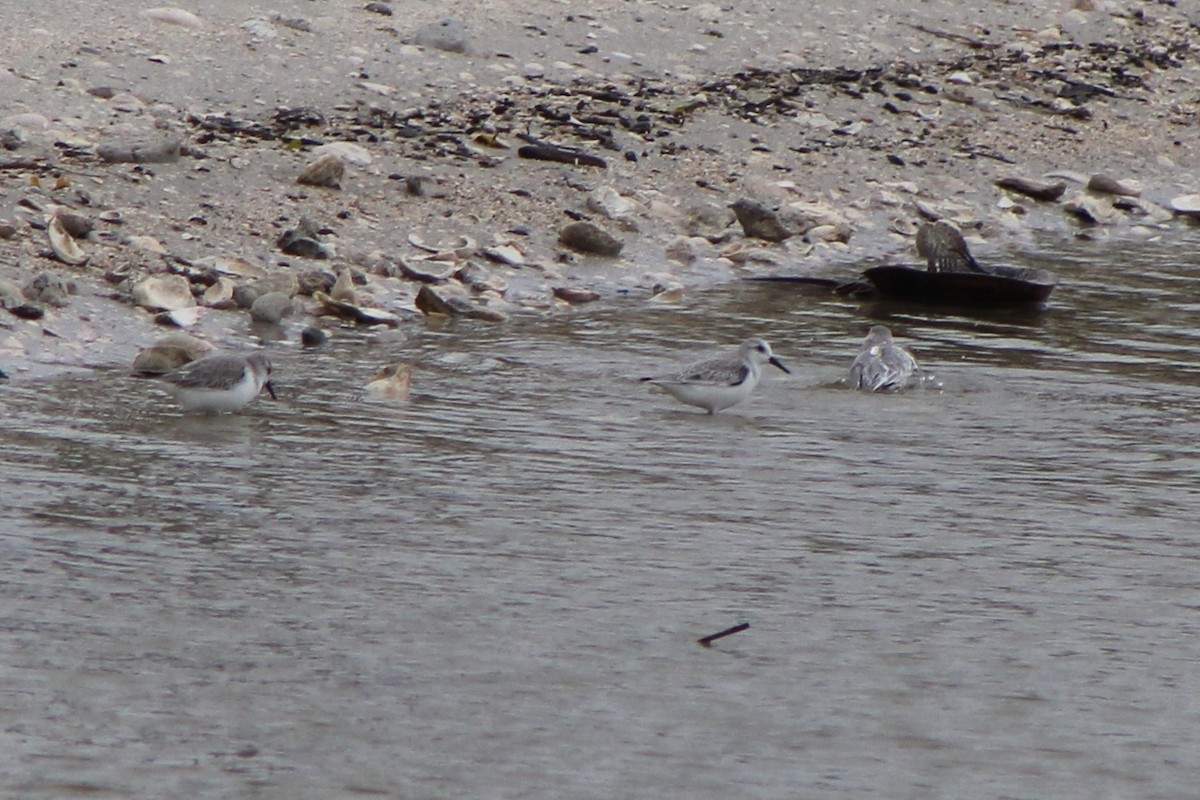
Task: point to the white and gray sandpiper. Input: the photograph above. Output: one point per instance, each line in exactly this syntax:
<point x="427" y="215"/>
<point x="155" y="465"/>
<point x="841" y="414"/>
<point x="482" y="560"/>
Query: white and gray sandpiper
<point x="220" y="383"/>
<point x="720" y="382"/>
<point x="882" y="365"/>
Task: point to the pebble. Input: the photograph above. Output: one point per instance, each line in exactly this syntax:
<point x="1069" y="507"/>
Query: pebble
<point x="173" y="16"/>
<point x="575" y="296"/>
<point x="161" y="151"/>
<point x="301" y="241"/>
<point x="608" y="201"/>
<point x="452" y="301"/>
<point x="586" y="237"/>
<point x="449" y="35"/>
<point x="1103" y="184"/>
<point x="312" y="336"/>
<point x="759" y="222"/>
<point x="49" y="290"/>
<point x="326" y="171"/>
<point x="1038" y="190"/>
<point x="272" y="308"/>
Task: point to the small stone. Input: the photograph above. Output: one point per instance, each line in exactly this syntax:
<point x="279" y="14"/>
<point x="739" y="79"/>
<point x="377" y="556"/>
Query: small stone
<point x="302" y="241"/>
<point x="325" y="171"/>
<point x="313" y="337"/>
<point x="379" y="8"/>
<point x="311" y="281"/>
<point x="1103" y="184"/>
<point x="608" y="201"/>
<point x="143" y="152"/>
<point x="77" y="225"/>
<point x="1089" y="210"/>
<point x="588" y="238"/>
<point x="48" y="290"/>
<point x="1038" y="190"/>
<point x="244" y="295"/>
<point x="11" y="295"/>
<point x="759" y="222"/>
<point x="575" y="296"/>
<point x="272" y="308"/>
<point x="447" y="34"/>
<point x="173" y="16"/>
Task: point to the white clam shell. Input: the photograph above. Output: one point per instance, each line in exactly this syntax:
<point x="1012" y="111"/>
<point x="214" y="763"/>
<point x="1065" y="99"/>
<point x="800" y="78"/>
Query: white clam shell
<point x="65" y="248"/>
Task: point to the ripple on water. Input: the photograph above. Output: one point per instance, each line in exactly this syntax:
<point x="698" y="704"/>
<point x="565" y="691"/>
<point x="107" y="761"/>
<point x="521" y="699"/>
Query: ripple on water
<point x="496" y="587"/>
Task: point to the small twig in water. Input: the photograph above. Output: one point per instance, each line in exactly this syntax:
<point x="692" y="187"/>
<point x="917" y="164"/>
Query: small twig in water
<point x="708" y="640"/>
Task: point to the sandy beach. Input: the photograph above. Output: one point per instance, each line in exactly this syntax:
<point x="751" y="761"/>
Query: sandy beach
<point x="855" y="123"/>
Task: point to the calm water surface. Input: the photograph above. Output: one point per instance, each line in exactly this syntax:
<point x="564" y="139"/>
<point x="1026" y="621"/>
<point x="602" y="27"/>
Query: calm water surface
<point x="989" y="589"/>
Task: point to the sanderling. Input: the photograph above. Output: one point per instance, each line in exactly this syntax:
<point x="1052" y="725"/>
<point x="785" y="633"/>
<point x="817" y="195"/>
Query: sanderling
<point x="221" y="383"/>
<point x="720" y="382"/>
<point x="882" y="364"/>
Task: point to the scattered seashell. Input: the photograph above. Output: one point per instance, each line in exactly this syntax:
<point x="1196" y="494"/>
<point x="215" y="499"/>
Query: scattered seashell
<point x="480" y="279"/>
<point x="452" y="301"/>
<point x="238" y="267"/>
<point x="112" y="217"/>
<point x="173" y="16"/>
<point x="180" y="317"/>
<point x="391" y="382"/>
<point x="671" y="292"/>
<point x="427" y="271"/>
<point x="219" y="294"/>
<point x="169" y="353"/>
<point x="506" y="254"/>
<point x="163" y="293"/>
<point x="463" y="243"/>
<point x="1188" y="204"/>
<point x="349" y="152"/>
<point x="343" y="288"/>
<point x="1089" y="210"/>
<point x="356" y="313"/>
<point x="325" y="171"/>
<point x="608" y="201"/>
<point x="63" y="244"/>
<point x="147" y="243"/>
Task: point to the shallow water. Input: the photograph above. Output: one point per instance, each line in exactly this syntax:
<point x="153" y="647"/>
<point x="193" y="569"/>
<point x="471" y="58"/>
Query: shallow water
<point x="987" y="589"/>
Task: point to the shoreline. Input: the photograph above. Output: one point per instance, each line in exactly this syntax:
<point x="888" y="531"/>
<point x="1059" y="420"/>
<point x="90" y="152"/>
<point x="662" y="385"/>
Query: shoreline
<point x="436" y="205"/>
